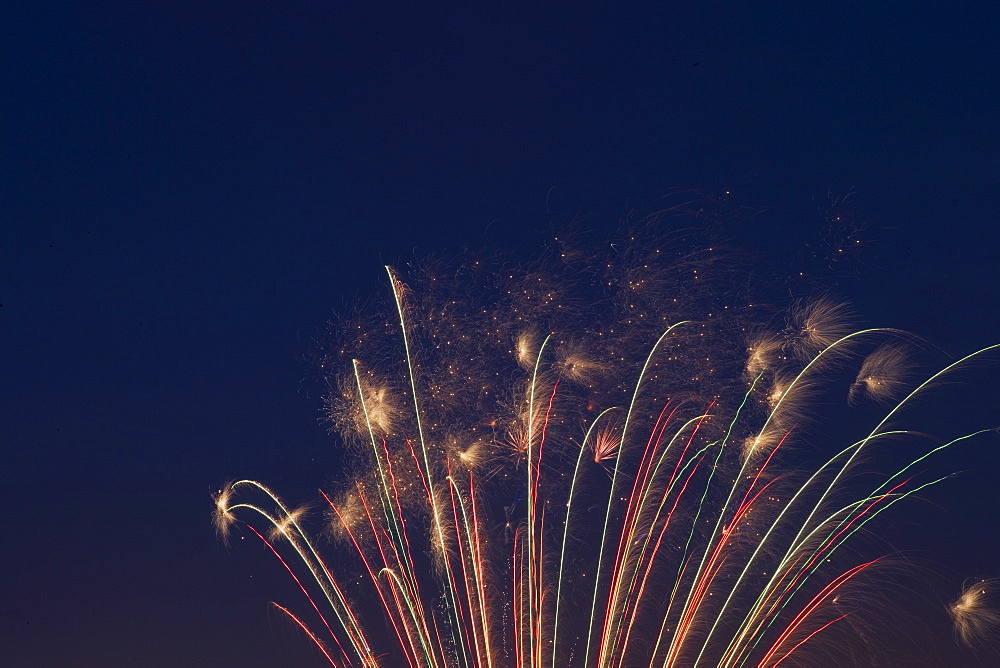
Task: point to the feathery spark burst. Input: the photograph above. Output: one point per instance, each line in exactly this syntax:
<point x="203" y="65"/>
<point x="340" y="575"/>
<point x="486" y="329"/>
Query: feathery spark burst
<point x="587" y="465"/>
<point x="976" y="613"/>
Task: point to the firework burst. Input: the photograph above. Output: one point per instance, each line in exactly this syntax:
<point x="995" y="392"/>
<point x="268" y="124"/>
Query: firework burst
<point x="589" y="464"/>
<point x="976" y="614"/>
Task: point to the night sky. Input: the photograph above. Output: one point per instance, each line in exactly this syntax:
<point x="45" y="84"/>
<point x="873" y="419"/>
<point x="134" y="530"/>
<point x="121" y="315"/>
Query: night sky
<point x="189" y="191"/>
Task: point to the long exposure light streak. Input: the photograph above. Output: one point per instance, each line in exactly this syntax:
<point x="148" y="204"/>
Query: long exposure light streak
<point x="597" y="465"/>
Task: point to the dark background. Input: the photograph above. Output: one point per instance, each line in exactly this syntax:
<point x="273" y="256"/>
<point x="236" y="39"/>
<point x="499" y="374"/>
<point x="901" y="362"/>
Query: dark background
<point x="189" y="190"/>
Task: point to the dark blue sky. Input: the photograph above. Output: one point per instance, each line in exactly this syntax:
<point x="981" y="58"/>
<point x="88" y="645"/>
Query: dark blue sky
<point x="189" y="190"/>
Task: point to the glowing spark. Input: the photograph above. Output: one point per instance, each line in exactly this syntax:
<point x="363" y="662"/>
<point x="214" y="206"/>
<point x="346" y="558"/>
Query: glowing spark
<point x="976" y="615"/>
<point x="223" y="518"/>
<point x="818" y="324"/>
<point x="605" y="445"/>
<point x="882" y="376"/>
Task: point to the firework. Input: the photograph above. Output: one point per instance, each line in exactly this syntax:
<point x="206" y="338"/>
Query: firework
<point x="589" y="464"/>
<point x="975" y="613"/>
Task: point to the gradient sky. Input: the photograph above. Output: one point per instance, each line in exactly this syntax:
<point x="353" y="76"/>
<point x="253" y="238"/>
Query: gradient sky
<point x="190" y="189"/>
